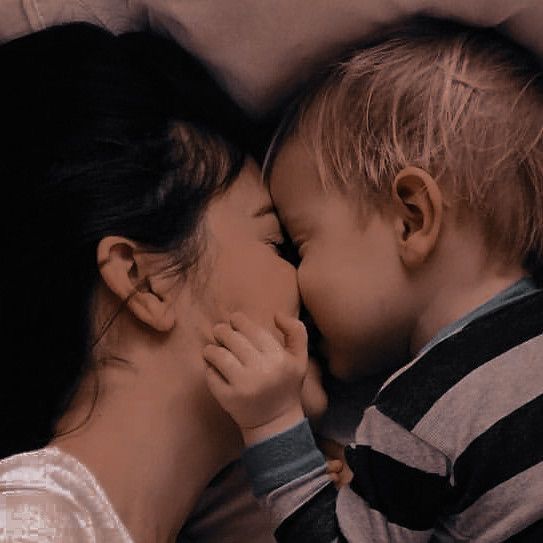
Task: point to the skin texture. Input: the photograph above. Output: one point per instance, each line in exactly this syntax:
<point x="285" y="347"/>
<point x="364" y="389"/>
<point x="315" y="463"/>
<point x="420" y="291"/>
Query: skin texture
<point x="155" y="416"/>
<point x="379" y="284"/>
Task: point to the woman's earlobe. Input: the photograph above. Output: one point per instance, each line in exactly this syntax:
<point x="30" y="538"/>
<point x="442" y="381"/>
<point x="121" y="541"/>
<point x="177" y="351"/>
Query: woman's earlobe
<point x="158" y="302"/>
<point x="125" y="272"/>
<point x="418" y="210"/>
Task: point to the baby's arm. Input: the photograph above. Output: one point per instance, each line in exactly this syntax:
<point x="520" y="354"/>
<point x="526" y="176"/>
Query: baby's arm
<point x="258" y="381"/>
<point x="310" y="389"/>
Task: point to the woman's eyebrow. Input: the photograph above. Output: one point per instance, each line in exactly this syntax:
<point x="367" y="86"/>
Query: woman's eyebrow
<point x="266" y="209"/>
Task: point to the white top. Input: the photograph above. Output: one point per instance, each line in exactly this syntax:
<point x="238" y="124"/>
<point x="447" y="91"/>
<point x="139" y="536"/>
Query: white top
<point x="48" y="496"/>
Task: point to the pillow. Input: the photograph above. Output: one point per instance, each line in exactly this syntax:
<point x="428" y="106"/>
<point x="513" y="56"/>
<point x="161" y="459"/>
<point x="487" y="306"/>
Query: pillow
<point x="260" y="50"/>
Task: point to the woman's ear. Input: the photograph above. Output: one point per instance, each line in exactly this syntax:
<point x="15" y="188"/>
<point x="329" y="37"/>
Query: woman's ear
<point x="418" y="213"/>
<point x="128" y="274"/>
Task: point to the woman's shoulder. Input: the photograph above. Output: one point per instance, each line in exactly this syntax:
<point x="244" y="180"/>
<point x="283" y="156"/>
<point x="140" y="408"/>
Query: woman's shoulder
<point x="47" y="495"/>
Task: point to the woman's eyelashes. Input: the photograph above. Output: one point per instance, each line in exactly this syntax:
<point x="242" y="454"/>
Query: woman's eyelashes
<point x="286" y="249"/>
<point x="276" y="241"/>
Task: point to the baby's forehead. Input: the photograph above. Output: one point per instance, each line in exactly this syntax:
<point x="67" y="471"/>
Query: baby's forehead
<point x="294" y="182"/>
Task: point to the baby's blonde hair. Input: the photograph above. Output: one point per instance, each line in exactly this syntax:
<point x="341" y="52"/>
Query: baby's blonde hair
<point x="464" y="104"/>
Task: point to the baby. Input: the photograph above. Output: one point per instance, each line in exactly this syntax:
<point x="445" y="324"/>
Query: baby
<point x="411" y="182"/>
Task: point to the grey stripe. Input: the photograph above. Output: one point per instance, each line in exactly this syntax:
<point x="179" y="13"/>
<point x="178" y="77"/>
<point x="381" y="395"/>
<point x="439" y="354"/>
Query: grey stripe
<point x="502" y="512"/>
<point x="359" y="523"/>
<point x="283" y="501"/>
<point x="483" y="397"/>
<point x="388" y="437"/>
<point x="522" y="288"/>
<point x="280" y="459"/>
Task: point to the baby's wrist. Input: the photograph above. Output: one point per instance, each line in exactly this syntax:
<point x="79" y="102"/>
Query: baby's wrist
<point x="279" y="424"/>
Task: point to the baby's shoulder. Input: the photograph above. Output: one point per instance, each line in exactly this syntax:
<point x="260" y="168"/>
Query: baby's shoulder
<point x="492" y="362"/>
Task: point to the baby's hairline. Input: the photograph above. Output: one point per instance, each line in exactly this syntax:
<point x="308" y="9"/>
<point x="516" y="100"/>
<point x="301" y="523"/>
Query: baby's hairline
<point x="381" y="204"/>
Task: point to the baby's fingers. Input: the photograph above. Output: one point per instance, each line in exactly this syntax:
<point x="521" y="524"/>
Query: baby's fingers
<point x="334" y="466"/>
<point x="235" y="342"/>
<point x="222" y="361"/>
<point x="295" y="334"/>
<point x="260" y="338"/>
<point x="333" y="469"/>
<point x="216" y="383"/>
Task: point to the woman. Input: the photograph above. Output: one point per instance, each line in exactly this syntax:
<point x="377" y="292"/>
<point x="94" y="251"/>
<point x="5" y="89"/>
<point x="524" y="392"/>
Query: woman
<point x="133" y="222"/>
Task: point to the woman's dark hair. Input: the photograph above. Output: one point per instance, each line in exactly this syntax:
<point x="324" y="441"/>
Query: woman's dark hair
<point x="102" y="135"/>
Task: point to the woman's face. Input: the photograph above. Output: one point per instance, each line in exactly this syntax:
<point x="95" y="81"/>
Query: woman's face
<point x="242" y="268"/>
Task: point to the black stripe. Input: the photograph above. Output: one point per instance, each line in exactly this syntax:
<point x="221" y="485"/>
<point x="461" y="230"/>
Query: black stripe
<point x="531" y="534"/>
<point x="411" y="394"/>
<point x="314" y="522"/>
<point x="509" y="447"/>
<point x="404" y="495"/>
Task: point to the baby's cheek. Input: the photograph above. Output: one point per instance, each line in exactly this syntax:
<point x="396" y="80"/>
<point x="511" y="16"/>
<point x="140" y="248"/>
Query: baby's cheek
<point x="314" y="398"/>
<point x="325" y="299"/>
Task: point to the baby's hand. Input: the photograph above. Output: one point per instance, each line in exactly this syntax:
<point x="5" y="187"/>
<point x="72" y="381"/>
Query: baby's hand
<point x="334" y="469"/>
<point x="336" y="466"/>
<point x="254" y="378"/>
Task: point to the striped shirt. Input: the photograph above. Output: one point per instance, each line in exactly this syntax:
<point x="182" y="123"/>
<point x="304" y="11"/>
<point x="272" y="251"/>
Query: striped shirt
<point x="451" y="449"/>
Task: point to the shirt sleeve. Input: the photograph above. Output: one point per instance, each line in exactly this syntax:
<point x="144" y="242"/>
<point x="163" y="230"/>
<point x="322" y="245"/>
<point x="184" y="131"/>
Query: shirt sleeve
<point x="288" y="476"/>
<point x="398" y="491"/>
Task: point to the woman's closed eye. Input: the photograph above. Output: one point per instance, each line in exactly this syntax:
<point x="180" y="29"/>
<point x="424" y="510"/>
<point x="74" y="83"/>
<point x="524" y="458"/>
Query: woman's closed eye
<point x="276" y="242"/>
<point x="284" y="247"/>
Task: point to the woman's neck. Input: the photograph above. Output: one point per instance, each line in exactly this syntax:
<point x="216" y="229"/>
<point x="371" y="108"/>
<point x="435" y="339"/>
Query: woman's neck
<point x="153" y="446"/>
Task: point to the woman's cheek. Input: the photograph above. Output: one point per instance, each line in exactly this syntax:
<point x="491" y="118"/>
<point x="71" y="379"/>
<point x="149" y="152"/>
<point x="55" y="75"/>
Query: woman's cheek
<point x="282" y="286"/>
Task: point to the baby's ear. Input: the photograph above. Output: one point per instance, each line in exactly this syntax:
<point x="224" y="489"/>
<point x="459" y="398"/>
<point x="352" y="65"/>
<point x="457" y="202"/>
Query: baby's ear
<point x="128" y="273"/>
<point x="418" y="214"/>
